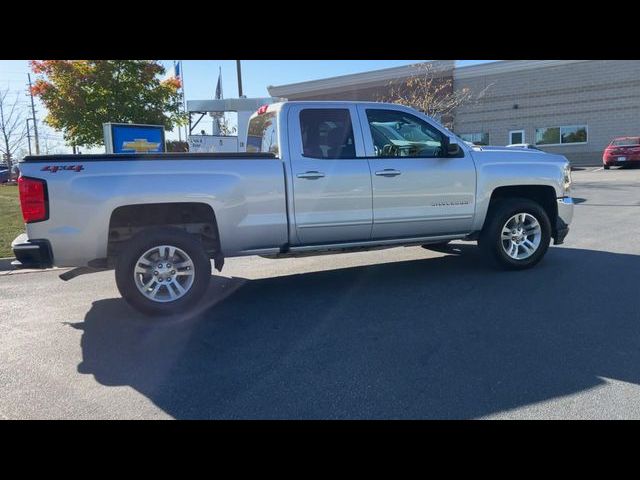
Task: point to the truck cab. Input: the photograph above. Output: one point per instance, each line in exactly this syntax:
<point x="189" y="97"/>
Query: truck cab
<point x="360" y="172"/>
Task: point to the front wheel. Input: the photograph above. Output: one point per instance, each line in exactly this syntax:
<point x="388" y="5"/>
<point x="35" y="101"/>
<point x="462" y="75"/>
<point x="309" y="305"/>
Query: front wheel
<point x="163" y="271"/>
<point x="517" y="234"/>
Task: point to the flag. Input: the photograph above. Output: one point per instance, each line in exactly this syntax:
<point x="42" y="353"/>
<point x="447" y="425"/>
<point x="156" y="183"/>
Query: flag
<point x="176" y="69"/>
<point x="219" y="86"/>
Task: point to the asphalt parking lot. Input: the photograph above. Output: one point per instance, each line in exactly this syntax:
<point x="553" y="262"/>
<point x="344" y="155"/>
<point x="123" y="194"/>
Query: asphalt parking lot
<point x="400" y="333"/>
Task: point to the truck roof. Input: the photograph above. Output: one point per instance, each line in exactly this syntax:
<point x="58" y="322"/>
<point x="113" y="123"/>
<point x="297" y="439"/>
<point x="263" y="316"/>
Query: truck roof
<point x="277" y="106"/>
<point x="321" y="102"/>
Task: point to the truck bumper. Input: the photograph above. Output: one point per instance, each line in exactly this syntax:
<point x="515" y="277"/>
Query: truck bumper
<point x="31" y="253"/>
<point x="565" y="216"/>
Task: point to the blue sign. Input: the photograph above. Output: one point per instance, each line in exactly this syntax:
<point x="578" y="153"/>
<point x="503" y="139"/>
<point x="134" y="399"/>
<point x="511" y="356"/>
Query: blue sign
<point x="131" y="138"/>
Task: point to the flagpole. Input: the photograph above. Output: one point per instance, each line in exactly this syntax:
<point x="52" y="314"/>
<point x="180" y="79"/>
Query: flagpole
<point x="220" y="120"/>
<point x="184" y="100"/>
<point x="179" y="127"/>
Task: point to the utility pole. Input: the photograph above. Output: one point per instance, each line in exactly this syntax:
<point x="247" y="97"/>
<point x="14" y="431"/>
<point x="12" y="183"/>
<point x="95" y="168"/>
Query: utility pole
<point x="35" y="123"/>
<point x="239" y="78"/>
<point x="29" y="134"/>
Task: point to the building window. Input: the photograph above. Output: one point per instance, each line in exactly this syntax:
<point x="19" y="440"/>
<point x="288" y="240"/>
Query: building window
<point x="516" y="137"/>
<point x="475" y="138"/>
<point x="562" y="135"/>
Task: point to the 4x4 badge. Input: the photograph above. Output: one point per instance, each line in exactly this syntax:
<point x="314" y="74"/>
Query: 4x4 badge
<point x="55" y="168"/>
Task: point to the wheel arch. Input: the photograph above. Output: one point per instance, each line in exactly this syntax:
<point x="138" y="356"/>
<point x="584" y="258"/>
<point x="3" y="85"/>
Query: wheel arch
<point x="195" y="218"/>
<point x="544" y="195"/>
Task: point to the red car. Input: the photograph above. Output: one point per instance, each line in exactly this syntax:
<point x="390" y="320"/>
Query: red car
<point x="622" y="151"/>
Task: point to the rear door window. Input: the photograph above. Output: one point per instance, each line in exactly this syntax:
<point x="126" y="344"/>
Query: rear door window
<point x="327" y="133"/>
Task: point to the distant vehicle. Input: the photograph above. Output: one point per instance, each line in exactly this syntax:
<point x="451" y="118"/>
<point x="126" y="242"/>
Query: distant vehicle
<point x="621" y="151"/>
<point x="4" y="173"/>
<point x="15" y="173"/>
<point x="524" y="145"/>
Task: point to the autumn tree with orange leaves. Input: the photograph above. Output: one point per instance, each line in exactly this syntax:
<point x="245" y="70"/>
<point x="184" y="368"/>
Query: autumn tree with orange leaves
<point x="81" y="95"/>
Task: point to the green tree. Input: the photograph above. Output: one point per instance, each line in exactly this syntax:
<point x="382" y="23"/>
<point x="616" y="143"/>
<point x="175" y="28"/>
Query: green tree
<point x="81" y="95"/>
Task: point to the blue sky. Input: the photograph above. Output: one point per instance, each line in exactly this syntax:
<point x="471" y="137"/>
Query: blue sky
<point x="200" y="77"/>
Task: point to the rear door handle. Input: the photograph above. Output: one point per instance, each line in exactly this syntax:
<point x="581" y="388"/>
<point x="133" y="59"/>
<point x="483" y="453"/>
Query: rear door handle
<point x="311" y="175"/>
<point x="388" y="172"/>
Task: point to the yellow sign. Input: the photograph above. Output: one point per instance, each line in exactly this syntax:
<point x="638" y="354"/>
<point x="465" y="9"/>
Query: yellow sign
<point x="140" y="145"/>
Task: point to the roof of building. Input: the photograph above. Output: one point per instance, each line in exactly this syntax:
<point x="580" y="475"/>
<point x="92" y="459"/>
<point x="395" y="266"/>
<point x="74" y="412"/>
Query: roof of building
<point x="371" y="78"/>
<point x="380" y="77"/>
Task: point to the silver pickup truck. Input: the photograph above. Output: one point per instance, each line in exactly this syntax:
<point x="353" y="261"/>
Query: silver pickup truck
<point x="318" y="177"/>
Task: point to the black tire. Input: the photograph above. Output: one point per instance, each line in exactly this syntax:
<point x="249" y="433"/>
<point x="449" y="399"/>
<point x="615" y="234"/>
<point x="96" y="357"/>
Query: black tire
<point x="490" y="240"/>
<point x="607" y="167"/>
<point x="146" y="240"/>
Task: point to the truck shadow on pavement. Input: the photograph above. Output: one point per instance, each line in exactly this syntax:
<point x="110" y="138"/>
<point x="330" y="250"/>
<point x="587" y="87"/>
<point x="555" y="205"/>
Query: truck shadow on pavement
<point x="443" y="337"/>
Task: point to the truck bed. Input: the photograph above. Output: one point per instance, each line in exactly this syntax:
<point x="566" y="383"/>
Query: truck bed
<point x="245" y="192"/>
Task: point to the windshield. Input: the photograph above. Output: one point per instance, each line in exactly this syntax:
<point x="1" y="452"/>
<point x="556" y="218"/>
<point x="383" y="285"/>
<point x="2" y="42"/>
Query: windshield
<point x="388" y="130"/>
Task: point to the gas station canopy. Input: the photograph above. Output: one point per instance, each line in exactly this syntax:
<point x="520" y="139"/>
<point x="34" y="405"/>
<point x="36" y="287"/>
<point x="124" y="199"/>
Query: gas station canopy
<point x="229" y="104"/>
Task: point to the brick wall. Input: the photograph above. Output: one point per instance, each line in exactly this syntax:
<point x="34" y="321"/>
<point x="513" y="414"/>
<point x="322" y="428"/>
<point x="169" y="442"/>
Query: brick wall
<point x="367" y="93"/>
<point x="602" y="94"/>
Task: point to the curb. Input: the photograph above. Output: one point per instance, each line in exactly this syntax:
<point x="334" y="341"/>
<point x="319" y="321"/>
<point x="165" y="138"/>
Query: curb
<point x="7" y="269"/>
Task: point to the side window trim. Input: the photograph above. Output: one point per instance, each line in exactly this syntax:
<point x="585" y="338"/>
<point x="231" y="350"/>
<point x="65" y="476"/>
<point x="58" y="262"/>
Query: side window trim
<point x="368" y="136"/>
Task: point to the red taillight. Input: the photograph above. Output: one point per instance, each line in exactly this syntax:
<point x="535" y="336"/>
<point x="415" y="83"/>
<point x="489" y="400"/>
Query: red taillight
<point x="263" y="109"/>
<point x="33" y="199"/>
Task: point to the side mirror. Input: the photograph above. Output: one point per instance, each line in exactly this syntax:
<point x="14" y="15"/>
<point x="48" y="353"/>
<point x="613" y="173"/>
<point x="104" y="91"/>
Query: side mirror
<point x="453" y="149"/>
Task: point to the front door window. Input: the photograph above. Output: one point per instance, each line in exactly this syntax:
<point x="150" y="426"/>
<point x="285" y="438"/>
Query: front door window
<point x="400" y="134"/>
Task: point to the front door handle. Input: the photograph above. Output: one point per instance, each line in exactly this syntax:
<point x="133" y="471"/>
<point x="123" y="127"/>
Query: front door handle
<point x="388" y="172"/>
<point x="311" y="175"/>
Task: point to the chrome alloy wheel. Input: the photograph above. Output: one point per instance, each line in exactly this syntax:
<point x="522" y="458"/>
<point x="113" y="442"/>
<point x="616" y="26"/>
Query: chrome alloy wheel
<point x="164" y="273"/>
<point x="521" y="236"/>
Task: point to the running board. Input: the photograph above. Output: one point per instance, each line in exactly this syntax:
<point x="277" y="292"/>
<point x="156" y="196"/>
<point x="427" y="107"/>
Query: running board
<point x="76" y="272"/>
<point x="396" y="242"/>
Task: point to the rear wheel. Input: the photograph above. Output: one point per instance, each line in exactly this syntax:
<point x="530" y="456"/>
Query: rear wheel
<point x="163" y="271"/>
<point x="607" y="167"/>
<point x="517" y="234"/>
